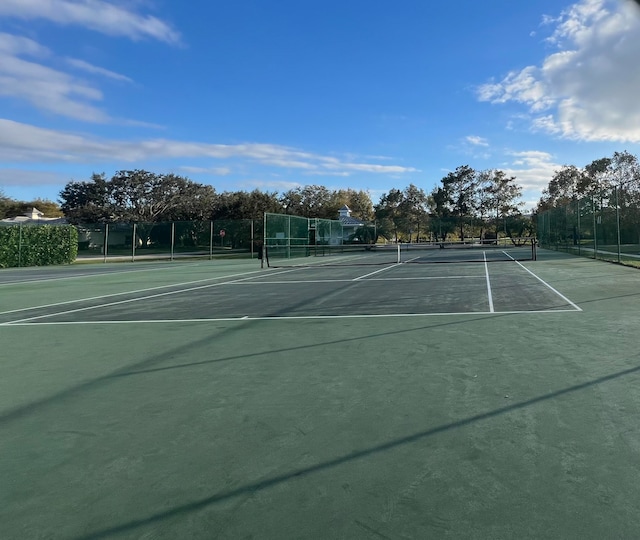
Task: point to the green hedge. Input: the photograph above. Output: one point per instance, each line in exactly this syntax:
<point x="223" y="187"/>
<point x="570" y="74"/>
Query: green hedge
<point x="37" y="245"/>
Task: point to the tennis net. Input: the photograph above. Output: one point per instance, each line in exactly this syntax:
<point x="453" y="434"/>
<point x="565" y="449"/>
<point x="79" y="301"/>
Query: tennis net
<point x="471" y="251"/>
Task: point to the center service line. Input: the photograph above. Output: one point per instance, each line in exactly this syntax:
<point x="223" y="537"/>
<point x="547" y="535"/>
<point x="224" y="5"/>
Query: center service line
<point x="486" y="271"/>
<point x="373" y="273"/>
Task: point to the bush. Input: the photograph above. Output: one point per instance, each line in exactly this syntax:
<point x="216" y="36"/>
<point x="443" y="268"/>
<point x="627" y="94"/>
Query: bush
<point x="37" y="245"/>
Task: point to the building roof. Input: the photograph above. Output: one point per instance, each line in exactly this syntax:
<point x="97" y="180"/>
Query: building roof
<point x="351" y="221"/>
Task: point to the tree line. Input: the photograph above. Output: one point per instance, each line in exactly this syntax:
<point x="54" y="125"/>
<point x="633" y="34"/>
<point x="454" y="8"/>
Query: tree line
<point x="599" y="178"/>
<point x="11" y="208"/>
<point x="144" y="196"/>
<point x="466" y="202"/>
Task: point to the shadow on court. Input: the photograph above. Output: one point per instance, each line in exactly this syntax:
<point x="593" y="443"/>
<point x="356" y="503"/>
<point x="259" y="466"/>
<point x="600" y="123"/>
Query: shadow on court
<point x="361" y="454"/>
<point x="485" y="425"/>
<point x="191" y="349"/>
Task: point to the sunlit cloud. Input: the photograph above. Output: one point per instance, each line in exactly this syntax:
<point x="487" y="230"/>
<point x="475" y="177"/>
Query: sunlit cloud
<point x="24" y="142"/>
<point x="533" y="169"/>
<point x="587" y="88"/>
<point x="476" y="141"/>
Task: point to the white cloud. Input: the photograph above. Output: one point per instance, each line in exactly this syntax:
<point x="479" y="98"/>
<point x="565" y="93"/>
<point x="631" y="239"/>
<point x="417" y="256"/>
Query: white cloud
<point x="476" y="141"/>
<point x="21" y="177"/>
<point x="42" y="86"/>
<point x="24" y="142"/>
<point x="18" y="45"/>
<point x="587" y="88"/>
<point x="216" y="171"/>
<point x="344" y="174"/>
<point x="99" y="15"/>
<point x="89" y="68"/>
<point x="533" y="169"/>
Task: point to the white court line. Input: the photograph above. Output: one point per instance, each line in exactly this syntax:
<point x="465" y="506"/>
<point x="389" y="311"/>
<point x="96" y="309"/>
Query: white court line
<point x="289" y="318"/>
<point x="376" y="272"/>
<point x="100" y="297"/>
<point x="131" y="299"/>
<point x="578" y="308"/>
<point x="349" y="280"/>
<point x="486" y="273"/>
<point x="95" y="274"/>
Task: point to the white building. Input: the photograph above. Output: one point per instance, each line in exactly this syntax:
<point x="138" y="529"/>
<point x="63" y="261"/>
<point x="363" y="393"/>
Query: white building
<point x="349" y="224"/>
<point x="34" y="217"/>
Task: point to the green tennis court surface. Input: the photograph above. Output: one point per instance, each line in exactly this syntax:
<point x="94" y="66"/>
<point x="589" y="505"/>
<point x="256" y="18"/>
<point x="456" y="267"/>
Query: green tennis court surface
<point x="218" y="400"/>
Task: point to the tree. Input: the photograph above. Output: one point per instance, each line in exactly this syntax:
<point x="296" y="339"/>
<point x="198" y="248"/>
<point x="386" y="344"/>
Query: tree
<point x="414" y="209"/>
<point x="457" y="194"/>
<point x="310" y="201"/>
<point x="359" y="203"/>
<point x="503" y="194"/>
<point x="389" y="213"/>
<point x="596" y="178"/>
<point x="5" y="204"/>
<point x="247" y="205"/>
<point x="142" y="196"/>
<point x="86" y="202"/>
<point x="562" y="188"/>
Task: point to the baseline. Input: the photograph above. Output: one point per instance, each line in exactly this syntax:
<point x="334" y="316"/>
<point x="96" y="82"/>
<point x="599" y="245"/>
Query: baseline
<point x="246" y="318"/>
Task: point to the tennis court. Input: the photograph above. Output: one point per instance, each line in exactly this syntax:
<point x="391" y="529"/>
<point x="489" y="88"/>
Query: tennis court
<point x="218" y="399"/>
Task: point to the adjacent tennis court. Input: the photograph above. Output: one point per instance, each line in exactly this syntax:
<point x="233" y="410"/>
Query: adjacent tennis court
<point x="487" y="399"/>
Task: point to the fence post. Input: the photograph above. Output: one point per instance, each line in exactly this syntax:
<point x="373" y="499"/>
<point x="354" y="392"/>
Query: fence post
<point x="615" y="191"/>
<point x="579" y="235"/>
<point x="19" y="245"/>
<point x="133" y="244"/>
<point x="105" y="247"/>
<point x="173" y="236"/>
<point x="595" y="233"/>
<point x="264" y="240"/>
<point x="288" y="237"/>
<point x="211" y="240"/>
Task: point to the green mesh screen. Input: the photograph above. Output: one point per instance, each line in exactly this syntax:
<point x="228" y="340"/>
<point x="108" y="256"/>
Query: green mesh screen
<point x="603" y="226"/>
<point x="288" y="236"/>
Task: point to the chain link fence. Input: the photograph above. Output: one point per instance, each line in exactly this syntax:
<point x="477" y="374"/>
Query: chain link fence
<point x="170" y="240"/>
<point x="603" y="226"/>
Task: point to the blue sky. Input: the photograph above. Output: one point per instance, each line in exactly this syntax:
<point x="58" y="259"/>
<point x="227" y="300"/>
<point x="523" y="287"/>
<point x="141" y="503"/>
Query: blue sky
<point x="274" y="94"/>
